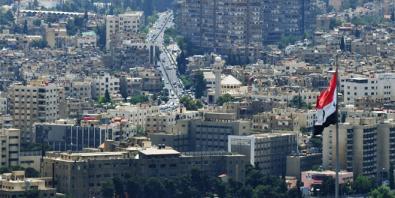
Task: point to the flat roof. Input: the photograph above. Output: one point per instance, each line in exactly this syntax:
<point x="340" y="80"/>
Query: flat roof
<point x="155" y="151"/>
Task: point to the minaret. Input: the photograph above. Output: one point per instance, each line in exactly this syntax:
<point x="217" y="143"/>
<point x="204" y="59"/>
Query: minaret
<point x="217" y="67"/>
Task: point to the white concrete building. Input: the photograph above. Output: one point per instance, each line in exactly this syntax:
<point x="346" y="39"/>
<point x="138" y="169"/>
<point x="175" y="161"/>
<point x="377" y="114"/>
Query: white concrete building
<point x="135" y="114"/>
<point x="104" y="82"/>
<point x="127" y="24"/>
<point x="381" y="87"/>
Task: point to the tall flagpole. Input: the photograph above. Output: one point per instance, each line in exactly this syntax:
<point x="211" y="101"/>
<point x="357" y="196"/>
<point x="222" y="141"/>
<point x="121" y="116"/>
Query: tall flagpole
<point x="337" y="129"/>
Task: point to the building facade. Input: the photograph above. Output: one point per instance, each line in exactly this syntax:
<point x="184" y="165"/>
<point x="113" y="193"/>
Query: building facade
<point x="10" y="147"/>
<point x="126" y="24"/>
<point x="223" y="27"/>
<point x="36" y="102"/>
<point x="83" y="174"/>
<point x="266" y="151"/>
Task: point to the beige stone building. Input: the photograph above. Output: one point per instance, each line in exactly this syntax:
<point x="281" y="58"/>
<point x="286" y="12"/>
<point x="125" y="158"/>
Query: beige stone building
<point x="37" y="101"/>
<point x="83" y="174"/>
<point x="267" y="151"/>
<point x="126" y="24"/>
<point x="15" y="184"/>
<point x="10" y="147"/>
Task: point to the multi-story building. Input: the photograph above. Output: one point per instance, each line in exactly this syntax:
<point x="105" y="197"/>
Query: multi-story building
<point x="3" y="104"/>
<point x="36" y="102"/>
<point x="365" y="146"/>
<point x="83" y="174"/>
<point x="56" y="36"/>
<point x="104" y="82"/>
<point x="6" y="121"/>
<point x="66" y="136"/>
<point x="10" y="147"/>
<point x="314" y="179"/>
<point x="15" y="184"/>
<point x="126" y="24"/>
<point x="226" y="28"/>
<point x="135" y="114"/>
<point x="379" y="88"/>
<point x="134" y="53"/>
<point x="209" y="133"/>
<point x="87" y="40"/>
<point x="288" y="18"/>
<point x="267" y="151"/>
<point x="78" y="89"/>
<point x="298" y="163"/>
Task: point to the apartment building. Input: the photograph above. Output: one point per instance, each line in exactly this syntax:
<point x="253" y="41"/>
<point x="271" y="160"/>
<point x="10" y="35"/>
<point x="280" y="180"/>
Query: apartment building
<point x="135" y="114"/>
<point x="87" y="40"/>
<point x="37" y="101"/>
<point x="104" y="82"/>
<point x="78" y="89"/>
<point x="379" y="87"/>
<point x="365" y="146"/>
<point x="10" y="147"/>
<point x="83" y="174"/>
<point x="3" y="104"/>
<point x="267" y="151"/>
<point x="15" y="184"/>
<point x="226" y="28"/>
<point x="209" y="133"/>
<point x="126" y="24"/>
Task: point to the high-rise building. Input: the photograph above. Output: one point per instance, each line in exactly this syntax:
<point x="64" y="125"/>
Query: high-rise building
<point x="10" y="147"/>
<point x="365" y="146"/>
<point x="288" y="18"/>
<point x="126" y="24"/>
<point x="224" y="27"/>
<point x="36" y="102"/>
<point x="237" y="28"/>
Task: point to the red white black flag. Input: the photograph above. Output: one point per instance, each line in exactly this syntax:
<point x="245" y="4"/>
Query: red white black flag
<point x="326" y="107"/>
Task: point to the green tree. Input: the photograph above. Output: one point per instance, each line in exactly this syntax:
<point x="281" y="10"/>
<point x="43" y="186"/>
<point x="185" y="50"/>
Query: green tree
<point x="294" y="193"/>
<point x="101" y="34"/>
<point x="107" y="190"/>
<point x="362" y="185"/>
<point x="224" y="99"/>
<point x="133" y="188"/>
<point x="154" y="188"/>
<point x="37" y="22"/>
<point x="382" y="192"/>
<point x="118" y="187"/>
<point x="39" y="44"/>
<point x="191" y="104"/>
<point x="199" y="85"/>
<point x="107" y="97"/>
<point x="342" y="44"/>
<point x="297" y="102"/>
<point x="181" y="63"/>
<point x="328" y="186"/>
<point x="32" y="194"/>
<point x="139" y="99"/>
<point x="25" y="27"/>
